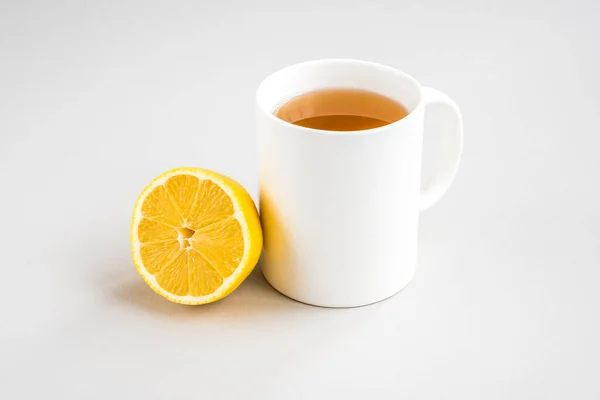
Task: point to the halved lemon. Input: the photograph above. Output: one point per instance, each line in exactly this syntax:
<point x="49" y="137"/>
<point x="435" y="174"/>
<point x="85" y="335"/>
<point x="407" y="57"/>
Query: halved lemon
<point x="195" y="235"/>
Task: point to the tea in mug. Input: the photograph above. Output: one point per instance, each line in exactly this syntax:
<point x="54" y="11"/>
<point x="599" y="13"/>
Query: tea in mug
<point x="341" y="109"/>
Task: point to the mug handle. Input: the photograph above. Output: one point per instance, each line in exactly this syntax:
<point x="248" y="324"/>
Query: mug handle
<point x="451" y="147"/>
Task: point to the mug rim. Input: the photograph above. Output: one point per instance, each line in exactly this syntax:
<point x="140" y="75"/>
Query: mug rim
<point x="387" y="68"/>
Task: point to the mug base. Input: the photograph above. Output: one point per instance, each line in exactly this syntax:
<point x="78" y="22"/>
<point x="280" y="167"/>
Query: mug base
<point x="339" y="305"/>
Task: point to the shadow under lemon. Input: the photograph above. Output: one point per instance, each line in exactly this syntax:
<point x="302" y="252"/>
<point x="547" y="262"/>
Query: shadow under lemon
<point x="254" y="296"/>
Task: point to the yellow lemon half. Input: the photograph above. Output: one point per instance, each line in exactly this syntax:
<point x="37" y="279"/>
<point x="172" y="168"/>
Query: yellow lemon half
<point x="195" y="235"/>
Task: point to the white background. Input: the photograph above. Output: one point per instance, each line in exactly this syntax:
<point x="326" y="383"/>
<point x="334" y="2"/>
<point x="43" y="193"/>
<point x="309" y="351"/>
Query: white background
<point x="97" y="98"/>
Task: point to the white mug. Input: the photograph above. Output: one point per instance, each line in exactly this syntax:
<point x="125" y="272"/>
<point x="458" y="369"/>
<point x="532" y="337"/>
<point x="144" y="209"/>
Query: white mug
<point x="340" y="210"/>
